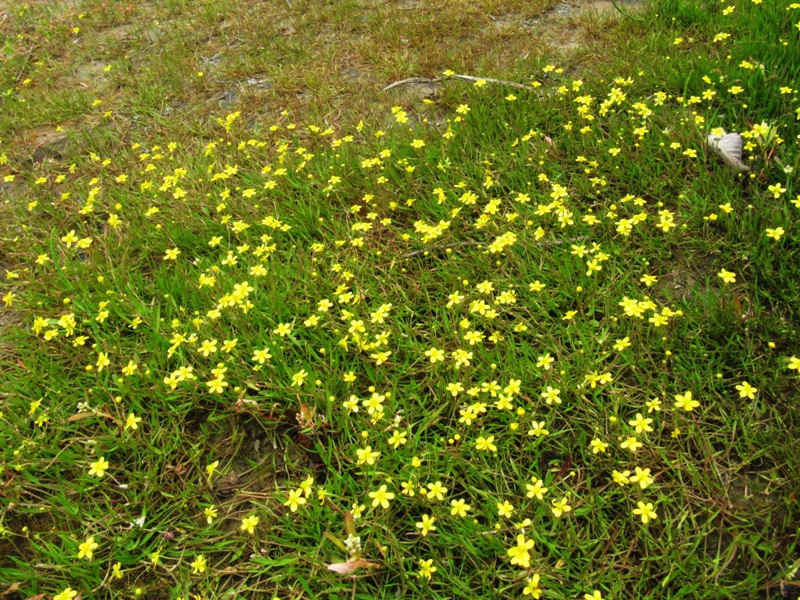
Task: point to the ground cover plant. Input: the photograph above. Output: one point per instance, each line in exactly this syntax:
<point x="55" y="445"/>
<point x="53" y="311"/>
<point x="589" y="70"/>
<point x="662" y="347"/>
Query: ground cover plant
<point x="504" y="342"/>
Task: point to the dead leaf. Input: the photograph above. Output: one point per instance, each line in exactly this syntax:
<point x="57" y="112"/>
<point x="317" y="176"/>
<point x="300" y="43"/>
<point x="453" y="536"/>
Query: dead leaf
<point x="381" y="549"/>
<point x="348" y="567"/>
<point x="305" y="418"/>
<point x="335" y="540"/>
<point x="349" y="523"/>
<point x="10" y="589"/>
<point x="85" y="415"/>
<point x="81" y="415"/>
<point x="728" y="147"/>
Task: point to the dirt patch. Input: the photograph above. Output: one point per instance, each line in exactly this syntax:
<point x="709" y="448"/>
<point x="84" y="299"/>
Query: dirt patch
<point x="46" y="142"/>
<point x="561" y="25"/>
<point x="285" y="26"/>
<point x="124" y="32"/>
<point x="413" y="92"/>
<point x="605" y="8"/>
<point x="91" y="75"/>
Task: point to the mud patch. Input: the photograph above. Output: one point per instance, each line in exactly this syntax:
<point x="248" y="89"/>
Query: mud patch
<point x="751" y="494"/>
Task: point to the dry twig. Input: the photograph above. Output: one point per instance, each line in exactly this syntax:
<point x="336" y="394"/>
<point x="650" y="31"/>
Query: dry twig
<point x="417" y="80"/>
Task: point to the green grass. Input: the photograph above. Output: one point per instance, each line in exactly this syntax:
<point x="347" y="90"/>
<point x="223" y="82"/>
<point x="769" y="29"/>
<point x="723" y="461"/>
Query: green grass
<point x="293" y="229"/>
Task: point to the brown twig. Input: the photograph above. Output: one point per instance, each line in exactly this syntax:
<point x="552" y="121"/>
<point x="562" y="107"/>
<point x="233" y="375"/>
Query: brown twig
<point x="411" y="80"/>
<point x="490" y="80"/>
<point x="727" y="563"/>
<point x="470" y="78"/>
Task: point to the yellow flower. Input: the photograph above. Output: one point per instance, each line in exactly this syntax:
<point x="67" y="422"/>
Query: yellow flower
<point x="505" y="509"/>
<point x="597" y="445"/>
<point x="283" y="329"/>
<point x="776" y="190"/>
<point x="87" y="548"/>
<point x="631" y="443"/>
<point x="210" y="513"/>
<point x="70" y="239"/>
<point x="435" y="355"/>
<point x="459" y="508"/>
<point x="621" y="478"/>
<point x="216" y="385"/>
<point x="198" y="564"/>
<point x="645" y="511"/>
<point x="102" y="361"/>
<point x="727" y="276"/>
<point x="130" y="368"/>
<point x="436" y="490"/>
<point x="560" y="507"/>
<point x="381" y="497"/>
<point x="99" y="467"/>
<point x="261" y="356"/>
<point x="296" y="498"/>
<point x="654" y="404"/>
<point x="398" y="438"/>
<point x="116" y="570"/>
<point x="67" y="594"/>
<point x="426" y="525"/>
<point x="299" y="378"/>
<point x="686" y="402"/>
<point x="545" y="361"/>
<point x="171" y="254"/>
<point x="367" y="456"/>
<point x="641" y="424"/>
<point x="211" y="468"/>
<point x="426" y="568"/>
<point x="595" y="595"/>
<point x="536" y="286"/>
<point x="538" y="429"/>
<point x="536" y="488"/>
<point x="746" y="390"/>
<point x="642" y="477"/>
<point x="794" y="363"/>
<point x="532" y="587"/>
<point x="520" y="554"/>
<point x="249" y="524"/>
<point x="132" y="422"/>
<point x="483" y="443"/>
<point x="621" y="344"/>
<point x="775" y="233"/>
